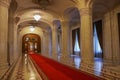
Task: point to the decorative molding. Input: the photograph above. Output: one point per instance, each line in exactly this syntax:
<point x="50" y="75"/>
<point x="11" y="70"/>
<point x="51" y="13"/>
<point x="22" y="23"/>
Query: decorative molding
<point x="5" y="3"/>
<point x="85" y="11"/>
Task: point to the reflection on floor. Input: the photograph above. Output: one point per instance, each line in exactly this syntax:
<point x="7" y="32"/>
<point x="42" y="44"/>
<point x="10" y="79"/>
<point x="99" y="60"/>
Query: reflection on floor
<point x="98" y="68"/>
<point x="24" y="70"/>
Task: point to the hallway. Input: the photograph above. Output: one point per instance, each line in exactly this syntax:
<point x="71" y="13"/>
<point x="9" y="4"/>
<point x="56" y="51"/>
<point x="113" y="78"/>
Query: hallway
<point x="82" y="34"/>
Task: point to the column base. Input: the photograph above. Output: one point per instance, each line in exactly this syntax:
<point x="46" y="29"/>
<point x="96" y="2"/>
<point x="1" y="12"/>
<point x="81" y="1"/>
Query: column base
<point x="67" y="60"/>
<point x="54" y="56"/>
<point x="3" y="68"/>
<point x="112" y="62"/>
<point x="87" y="61"/>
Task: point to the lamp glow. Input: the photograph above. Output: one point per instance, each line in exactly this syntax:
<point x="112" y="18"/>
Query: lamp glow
<point x="37" y="17"/>
<point x="32" y="28"/>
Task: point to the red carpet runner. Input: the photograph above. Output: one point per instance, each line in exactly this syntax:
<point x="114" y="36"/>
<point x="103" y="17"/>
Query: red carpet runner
<point x="57" y="71"/>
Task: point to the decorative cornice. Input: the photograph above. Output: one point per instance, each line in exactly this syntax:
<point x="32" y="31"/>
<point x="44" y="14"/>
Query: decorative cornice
<point x="5" y="3"/>
<point x="85" y="11"/>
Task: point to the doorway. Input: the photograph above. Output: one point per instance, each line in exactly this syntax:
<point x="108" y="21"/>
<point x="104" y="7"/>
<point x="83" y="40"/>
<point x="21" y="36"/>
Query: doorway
<point x="31" y="42"/>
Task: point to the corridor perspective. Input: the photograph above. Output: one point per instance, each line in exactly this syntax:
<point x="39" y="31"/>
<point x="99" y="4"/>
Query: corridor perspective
<point x="60" y="39"/>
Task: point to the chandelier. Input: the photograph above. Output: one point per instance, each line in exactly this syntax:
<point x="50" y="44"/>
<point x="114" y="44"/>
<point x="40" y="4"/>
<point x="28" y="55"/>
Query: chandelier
<point x="37" y="17"/>
<point x="32" y="28"/>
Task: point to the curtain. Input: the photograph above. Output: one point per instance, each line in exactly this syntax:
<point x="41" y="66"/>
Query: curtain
<point x="74" y="37"/>
<point x="99" y="34"/>
<point x="119" y="25"/>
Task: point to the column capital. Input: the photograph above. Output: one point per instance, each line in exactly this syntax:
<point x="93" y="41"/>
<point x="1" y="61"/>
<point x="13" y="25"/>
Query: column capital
<point x="85" y="11"/>
<point x="54" y="28"/>
<point x="5" y="3"/>
<point x="84" y="3"/>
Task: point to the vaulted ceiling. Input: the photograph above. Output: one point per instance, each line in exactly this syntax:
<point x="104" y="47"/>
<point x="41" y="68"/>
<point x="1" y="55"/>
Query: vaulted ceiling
<point x="51" y="10"/>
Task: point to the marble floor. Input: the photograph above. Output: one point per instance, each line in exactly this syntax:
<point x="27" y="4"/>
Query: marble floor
<point x="98" y="67"/>
<point x="24" y="69"/>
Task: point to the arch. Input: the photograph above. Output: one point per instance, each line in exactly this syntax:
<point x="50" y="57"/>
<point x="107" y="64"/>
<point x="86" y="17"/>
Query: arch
<point x="72" y="15"/>
<point x="27" y="14"/>
<point x="31" y="42"/>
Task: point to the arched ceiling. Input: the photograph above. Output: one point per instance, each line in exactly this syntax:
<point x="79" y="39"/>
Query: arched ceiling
<point x="100" y="7"/>
<point x="40" y="24"/>
<point x="56" y="6"/>
<point x="53" y="9"/>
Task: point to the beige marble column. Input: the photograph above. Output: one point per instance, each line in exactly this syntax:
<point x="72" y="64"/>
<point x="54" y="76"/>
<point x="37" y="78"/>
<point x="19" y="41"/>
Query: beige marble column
<point x="4" y="4"/>
<point x="115" y="38"/>
<point x="15" y="49"/>
<point x="46" y="43"/>
<point x="107" y="40"/>
<point x="86" y="35"/>
<point x="65" y="55"/>
<point x="49" y="43"/>
<point x="11" y="25"/>
<point x="54" y="42"/>
<point x="111" y="38"/>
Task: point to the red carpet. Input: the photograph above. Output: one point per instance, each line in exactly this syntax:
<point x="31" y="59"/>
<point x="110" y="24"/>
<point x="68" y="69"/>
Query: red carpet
<point x="57" y="71"/>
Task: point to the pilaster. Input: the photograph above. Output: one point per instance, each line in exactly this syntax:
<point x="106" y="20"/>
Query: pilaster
<point x="54" y="42"/>
<point x="4" y="4"/>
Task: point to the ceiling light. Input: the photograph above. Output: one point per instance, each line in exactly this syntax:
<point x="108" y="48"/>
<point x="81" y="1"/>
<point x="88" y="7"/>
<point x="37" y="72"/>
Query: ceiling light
<point x="32" y="28"/>
<point x="37" y="17"/>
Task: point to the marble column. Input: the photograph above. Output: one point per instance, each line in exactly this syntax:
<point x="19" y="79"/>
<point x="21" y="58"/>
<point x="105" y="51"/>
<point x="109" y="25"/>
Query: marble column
<point x="49" y="43"/>
<point x="86" y="35"/>
<point x="65" y="57"/>
<point x="110" y="38"/>
<point x="11" y="25"/>
<point x="107" y="40"/>
<point x="46" y="43"/>
<point x="15" y="44"/>
<point x="4" y="4"/>
<point x="115" y="38"/>
<point x="54" y="42"/>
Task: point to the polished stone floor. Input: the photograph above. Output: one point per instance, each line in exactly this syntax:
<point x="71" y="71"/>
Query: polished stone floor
<point x="109" y="71"/>
<point x="24" y="69"/>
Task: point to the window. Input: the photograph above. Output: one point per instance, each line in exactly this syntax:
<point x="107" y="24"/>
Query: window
<point x="76" y="46"/>
<point x="97" y="47"/>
